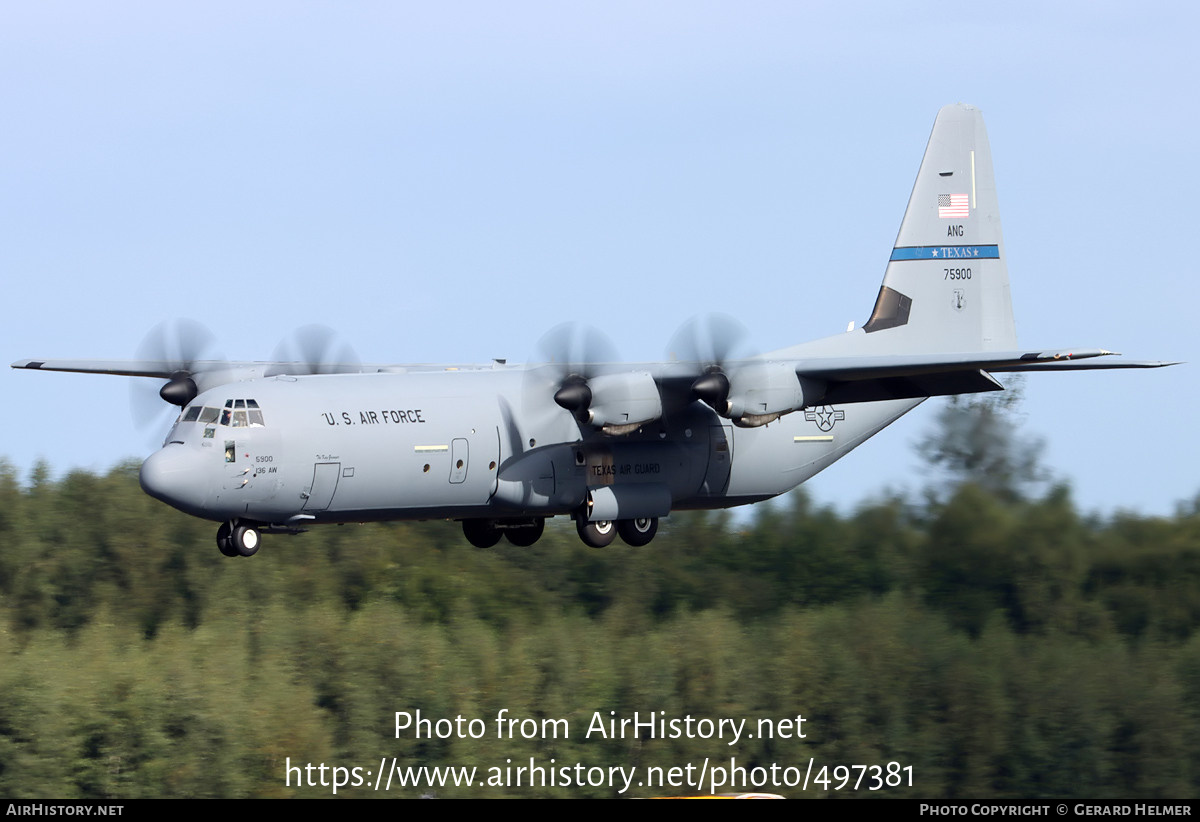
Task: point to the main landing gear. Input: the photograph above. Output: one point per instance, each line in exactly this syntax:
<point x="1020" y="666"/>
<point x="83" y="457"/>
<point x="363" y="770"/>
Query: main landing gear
<point x="635" y="532"/>
<point x="638" y="532"/>
<point x="596" y="534"/>
<point x="484" y="533"/>
<point x="238" y="539"/>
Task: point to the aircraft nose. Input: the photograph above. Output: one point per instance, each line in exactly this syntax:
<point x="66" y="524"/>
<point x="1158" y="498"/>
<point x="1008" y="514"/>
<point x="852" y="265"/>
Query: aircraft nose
<point x="175" y="475"/>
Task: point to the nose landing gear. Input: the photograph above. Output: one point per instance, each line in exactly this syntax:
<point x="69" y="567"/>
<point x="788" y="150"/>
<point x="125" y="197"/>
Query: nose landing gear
<point x="238" y="539"/>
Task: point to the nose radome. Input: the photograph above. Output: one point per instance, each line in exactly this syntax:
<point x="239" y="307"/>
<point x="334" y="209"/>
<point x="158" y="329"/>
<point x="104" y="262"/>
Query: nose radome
<point x="175" y="475"/>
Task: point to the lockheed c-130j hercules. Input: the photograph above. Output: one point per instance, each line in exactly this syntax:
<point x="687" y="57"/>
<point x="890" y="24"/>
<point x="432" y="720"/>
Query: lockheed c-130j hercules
<point x="274" y="447"/>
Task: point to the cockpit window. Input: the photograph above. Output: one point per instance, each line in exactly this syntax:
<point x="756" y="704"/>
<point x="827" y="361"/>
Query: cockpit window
<point x="235" y="414"/>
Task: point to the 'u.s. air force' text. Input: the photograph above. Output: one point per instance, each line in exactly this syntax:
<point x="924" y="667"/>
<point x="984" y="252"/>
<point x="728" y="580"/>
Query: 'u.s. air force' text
<point x="386" y="416"/>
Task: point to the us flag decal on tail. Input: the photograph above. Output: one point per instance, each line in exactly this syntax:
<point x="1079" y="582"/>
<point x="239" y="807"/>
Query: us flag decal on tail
<point x="953" y="205"/>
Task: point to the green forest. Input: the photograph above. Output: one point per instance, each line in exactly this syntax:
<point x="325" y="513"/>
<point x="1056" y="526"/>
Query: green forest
<point x="985" y="633"/>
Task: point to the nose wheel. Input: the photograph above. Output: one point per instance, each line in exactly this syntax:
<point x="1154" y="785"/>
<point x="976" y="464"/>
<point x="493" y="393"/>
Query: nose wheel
<point x="238" y="539"/>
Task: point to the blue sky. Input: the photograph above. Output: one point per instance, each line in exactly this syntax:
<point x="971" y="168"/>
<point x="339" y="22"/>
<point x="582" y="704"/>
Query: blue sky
<point x="446" y="183"/>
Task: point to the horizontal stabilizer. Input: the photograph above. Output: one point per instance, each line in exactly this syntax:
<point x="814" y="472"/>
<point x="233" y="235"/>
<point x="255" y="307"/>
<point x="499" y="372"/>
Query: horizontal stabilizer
<point x="867" y="379"/>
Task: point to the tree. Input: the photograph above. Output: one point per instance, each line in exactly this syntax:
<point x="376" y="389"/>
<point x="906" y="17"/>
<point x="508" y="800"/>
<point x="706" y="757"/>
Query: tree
<point x="976" y="439"/>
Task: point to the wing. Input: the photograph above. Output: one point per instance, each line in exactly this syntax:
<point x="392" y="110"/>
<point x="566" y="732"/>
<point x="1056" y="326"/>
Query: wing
<point x="222" y="371"/>
<point x="128" y="368"/>
<point x="186" y="380"/>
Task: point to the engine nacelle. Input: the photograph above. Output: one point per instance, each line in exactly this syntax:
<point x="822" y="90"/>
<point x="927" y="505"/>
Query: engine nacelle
<point x="763" y="392"/>
<point x="622" y="402"/>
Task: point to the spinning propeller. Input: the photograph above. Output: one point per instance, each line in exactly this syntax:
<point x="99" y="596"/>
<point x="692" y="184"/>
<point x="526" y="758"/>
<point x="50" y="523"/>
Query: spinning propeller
<point x="572" y="351"/>
<point x="749" y="390"/>
<point x="183" y="348"/>
<point x="712" y="342"/>
<point x="615" y="400"/>
<point x="313" y="349"/>
<point x="183" y="351"/>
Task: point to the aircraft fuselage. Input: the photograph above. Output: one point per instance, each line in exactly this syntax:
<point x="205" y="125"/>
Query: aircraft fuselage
<point x="471" y="444"/>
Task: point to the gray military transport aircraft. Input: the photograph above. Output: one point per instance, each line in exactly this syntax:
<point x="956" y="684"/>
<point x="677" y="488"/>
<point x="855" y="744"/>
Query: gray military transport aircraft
<point x="272" y="447"/>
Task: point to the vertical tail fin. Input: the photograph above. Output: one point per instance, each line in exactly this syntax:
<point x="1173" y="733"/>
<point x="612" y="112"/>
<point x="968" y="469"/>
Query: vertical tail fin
<point x="946" y="285"/>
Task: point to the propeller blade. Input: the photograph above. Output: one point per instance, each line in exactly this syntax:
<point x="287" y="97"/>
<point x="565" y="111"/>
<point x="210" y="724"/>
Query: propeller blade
<point x="711" y="342"/>
<point x="569" y="355"/>
<point x="313" y="349"/>
<point x="575" y="348"/>
<point x="708" y="340"/>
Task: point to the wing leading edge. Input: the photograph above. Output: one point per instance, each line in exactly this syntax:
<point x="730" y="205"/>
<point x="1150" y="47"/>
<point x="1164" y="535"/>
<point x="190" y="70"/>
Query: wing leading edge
<point x="124" y="368"/>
